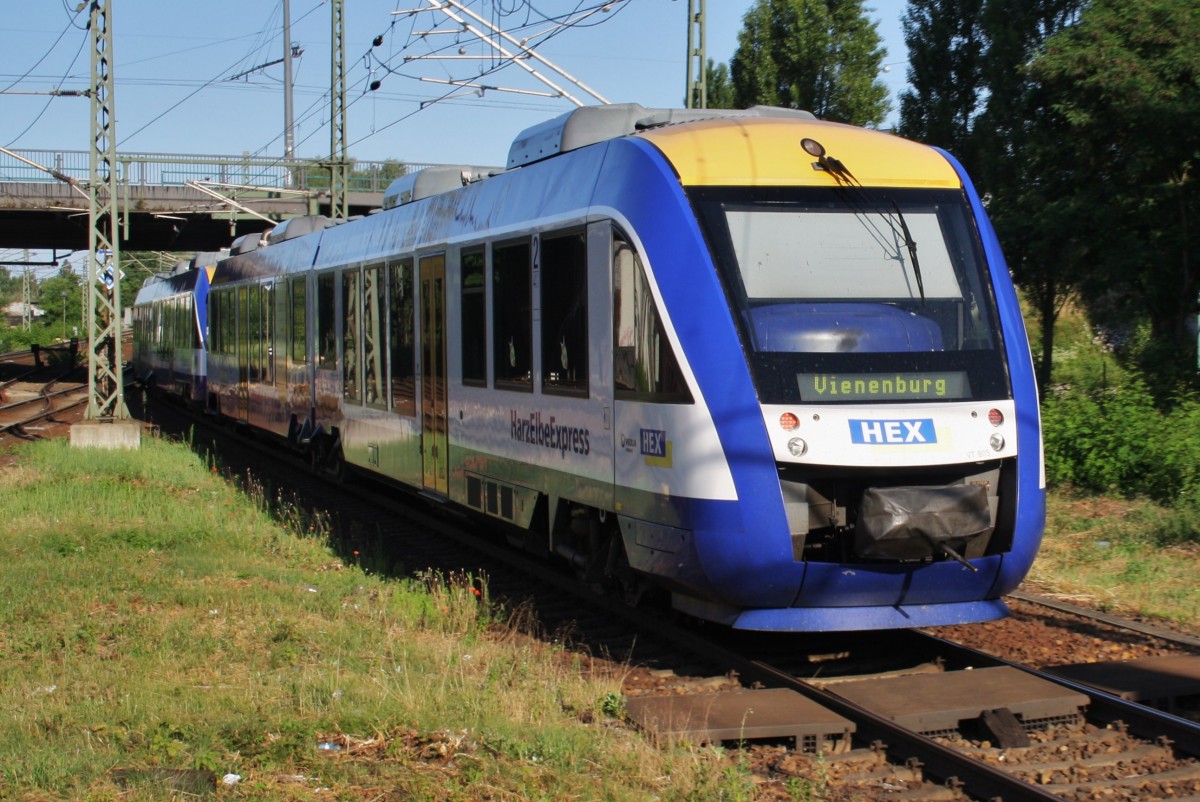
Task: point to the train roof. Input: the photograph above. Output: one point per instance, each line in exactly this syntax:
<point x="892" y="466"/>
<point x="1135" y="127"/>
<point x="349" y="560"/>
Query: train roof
<point x="760" y="146"/>
<point x="434" y="181"/>
<point x="180" y="280"/>
<point x="297" y="227"/>
<point x="591" y="124"/>
<point x="768" y="151"/>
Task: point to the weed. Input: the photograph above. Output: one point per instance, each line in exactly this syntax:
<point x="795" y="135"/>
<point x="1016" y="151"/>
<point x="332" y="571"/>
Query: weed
<point x="612" y="704"/>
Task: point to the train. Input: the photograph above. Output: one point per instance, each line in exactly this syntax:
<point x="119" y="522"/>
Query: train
<point x="769" y="367"/>
<point x="170" y="329"/>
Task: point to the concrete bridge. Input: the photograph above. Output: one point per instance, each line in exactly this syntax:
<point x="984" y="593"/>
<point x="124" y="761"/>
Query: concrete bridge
<point x="174" y="202"/>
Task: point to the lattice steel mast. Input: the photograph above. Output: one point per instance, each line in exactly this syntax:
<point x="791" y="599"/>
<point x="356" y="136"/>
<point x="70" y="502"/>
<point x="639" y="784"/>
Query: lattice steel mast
<point x="338" y="165"/>
<point x="697" y="68"/>
<point x="105" y="386"/>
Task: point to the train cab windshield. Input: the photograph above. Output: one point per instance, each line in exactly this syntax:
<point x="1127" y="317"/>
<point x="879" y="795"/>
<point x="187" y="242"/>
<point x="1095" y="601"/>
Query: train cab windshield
<point x="853" y="295"/>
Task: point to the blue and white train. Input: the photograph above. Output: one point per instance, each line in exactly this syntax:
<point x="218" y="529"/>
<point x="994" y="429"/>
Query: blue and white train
<point x="170" y="325"/>
<point x="772" y="365"/>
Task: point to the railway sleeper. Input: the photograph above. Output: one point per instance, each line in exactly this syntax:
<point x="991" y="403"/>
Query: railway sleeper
<point x="1189" y="773"/>
<point x="869" y="770"/>
<point x="1104" y="739"/>
<point x="863" y="761"/>
<point x="935" y="793"/>
<point x="1108" y="760"/>
<point x="888" y="774"/>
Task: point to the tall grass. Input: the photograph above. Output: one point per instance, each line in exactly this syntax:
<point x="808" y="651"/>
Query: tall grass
<point x="155" y="616"/>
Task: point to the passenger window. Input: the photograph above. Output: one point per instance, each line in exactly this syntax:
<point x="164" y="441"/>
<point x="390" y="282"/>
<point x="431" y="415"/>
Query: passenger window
<point x="159" y="327"/>
<point x="281" y="342"/>
<point x="564" y="313"/>
<point x="351" y="335"/>
<point x="374" y="305"/>
<point x="254" y="333"/>
<point x="644" y="365"/>
<point x="168" y="343"/>
<point x="326" y="330"/>
<point x="229" y="318"/>
<point x="474" y="322"/>
<point x="216" y="322"/>
<point x="268" y="333"/>
<point x="299" y="322"/>
<point x="512" y="327"/>
<point x="243" y="332"/>
<point x="401" y="338"/>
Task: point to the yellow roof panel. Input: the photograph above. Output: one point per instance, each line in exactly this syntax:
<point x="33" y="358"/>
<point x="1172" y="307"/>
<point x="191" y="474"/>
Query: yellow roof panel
<point x="758" y="151"/>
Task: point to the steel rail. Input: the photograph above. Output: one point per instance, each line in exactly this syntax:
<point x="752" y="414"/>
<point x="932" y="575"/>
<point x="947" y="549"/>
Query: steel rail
<point x="43" y="396"/>
<point x="8" y="427"/>
<point x="1107" y="618"/>
<point x="1146" y="722"/>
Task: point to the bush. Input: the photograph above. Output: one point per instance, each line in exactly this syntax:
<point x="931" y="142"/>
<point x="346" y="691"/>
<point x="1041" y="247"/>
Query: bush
<point x="1115" y="440"/>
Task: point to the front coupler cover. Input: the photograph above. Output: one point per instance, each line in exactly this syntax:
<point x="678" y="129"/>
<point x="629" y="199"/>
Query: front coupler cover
<point x="917" y="523"/>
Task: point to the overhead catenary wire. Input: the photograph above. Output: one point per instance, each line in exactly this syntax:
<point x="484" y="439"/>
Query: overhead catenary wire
<point x="220" y="76"/>
<point x="51" y="99"/>
<point x="44" y="56"/>
<point x="532" y="29"/>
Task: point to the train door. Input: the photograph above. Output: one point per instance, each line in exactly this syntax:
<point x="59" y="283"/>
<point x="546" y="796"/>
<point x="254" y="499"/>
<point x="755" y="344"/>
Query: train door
<point x="435" y="470"/>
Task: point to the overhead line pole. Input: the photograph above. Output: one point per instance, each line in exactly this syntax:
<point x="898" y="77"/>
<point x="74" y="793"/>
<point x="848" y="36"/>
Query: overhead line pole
<point x="697" y="68"/>
<point x="289" y="124"/>
<point x="106" y="387"/>
<point x="338" y="166"/>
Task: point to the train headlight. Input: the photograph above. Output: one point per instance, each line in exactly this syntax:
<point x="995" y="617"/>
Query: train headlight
<point x="997" y="442"/>
<point x="798" y="447"/>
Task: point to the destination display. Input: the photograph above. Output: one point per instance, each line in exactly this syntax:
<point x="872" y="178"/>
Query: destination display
<point x="941" y="385"/>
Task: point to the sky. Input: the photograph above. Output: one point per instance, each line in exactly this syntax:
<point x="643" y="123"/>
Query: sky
<point x="172" y="61"/>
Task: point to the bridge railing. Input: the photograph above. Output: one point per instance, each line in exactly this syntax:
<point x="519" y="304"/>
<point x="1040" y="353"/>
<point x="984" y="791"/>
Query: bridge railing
<point x="176" y="169"/>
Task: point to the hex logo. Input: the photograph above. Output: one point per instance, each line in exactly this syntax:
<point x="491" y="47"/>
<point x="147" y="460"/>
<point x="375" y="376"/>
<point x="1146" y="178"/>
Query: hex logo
<point x="654" y="442"/>
<point x="893" y="432"/>
<point x="656" y="448"/>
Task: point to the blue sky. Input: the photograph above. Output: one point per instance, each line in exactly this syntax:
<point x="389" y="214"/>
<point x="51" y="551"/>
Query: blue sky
<point x="171" y="58"/>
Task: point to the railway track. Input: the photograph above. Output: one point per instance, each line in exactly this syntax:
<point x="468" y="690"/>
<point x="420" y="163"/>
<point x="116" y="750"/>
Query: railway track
<point x="27" y="401"/>
<point x="900" y="715"/>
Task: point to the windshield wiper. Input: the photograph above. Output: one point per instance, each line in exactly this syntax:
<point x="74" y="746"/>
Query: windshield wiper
<point x="846" y="180"/>
<point x="911" y="244"/>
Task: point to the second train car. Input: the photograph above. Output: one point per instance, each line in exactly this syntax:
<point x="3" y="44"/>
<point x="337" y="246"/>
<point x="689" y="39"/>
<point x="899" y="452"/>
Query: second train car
<point x="770" y="364"/>
<point x="170" y="329"/>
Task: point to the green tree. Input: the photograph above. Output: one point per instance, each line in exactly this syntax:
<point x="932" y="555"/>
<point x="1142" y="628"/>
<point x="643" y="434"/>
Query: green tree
<point x="1121" y="93"/>
<point x="820" y="55"/>
<point x="61" y="298"/>
<point x="945" y="73"/>
<point x="1015" y="31"/>
<point x="719" y="86"/>
<point x="10" y="286"/>
<point x="1028" y="201"/>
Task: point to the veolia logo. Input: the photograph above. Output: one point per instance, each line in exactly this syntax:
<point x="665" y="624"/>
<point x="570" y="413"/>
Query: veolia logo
<point x="893" y="432"/>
